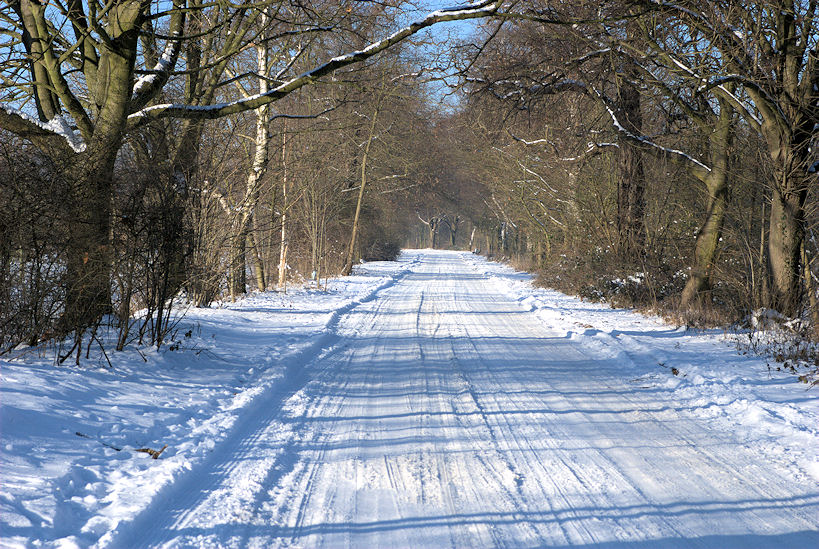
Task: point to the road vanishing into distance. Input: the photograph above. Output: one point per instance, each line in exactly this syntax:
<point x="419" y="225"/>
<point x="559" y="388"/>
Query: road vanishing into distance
<point x="445" y="413"/>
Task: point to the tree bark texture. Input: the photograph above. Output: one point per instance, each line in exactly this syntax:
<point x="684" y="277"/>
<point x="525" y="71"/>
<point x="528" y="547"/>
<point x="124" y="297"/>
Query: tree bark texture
<point x="631" y="183"/>
<point x="716" y="184"/>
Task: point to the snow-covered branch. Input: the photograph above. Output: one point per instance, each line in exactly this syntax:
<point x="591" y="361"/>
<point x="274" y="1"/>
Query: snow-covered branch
<point x="590" y="147"/>
<point x="25" y="125"/>
<point x="148" y="85"/>
<point x="674" y="154"/>
<point x="475" y="10"/>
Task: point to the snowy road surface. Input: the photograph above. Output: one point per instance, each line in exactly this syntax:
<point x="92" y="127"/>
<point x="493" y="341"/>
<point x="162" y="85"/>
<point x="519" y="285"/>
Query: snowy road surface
<point x="446" y="412"/>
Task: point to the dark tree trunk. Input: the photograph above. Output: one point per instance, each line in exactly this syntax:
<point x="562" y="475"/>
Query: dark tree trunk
<point x="631" y="184"/>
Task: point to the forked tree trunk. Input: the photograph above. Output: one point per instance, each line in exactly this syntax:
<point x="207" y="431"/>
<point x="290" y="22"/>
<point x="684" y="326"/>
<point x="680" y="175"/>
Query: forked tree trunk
<point x="88" y="251"/>
<point x="716" y="183"/>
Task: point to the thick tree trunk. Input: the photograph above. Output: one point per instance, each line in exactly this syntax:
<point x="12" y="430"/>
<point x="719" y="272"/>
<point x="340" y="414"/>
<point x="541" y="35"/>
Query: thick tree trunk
<point x="91" y="174"/>
<point x="784" y="249"/>
<point x="88" y="250"/>
<point x="631" y="184"/>
<point x="791" y="155"/>
<point x="716" y="183"/>
<point x="788" y="125"/>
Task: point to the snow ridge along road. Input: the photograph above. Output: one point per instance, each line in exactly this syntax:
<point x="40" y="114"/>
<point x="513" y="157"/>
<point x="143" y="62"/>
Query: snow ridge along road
<point x="448" y="412"/>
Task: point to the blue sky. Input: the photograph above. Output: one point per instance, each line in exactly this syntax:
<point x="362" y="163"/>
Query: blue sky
<point x="450" y="30"/>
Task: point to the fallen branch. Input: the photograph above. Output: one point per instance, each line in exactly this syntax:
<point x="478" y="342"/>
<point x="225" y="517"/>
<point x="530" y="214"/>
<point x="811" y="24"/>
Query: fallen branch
<point x="153" y="453"/>
<point x="150" y="451"/>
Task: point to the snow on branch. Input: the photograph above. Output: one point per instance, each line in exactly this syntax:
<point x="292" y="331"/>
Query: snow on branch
<point x="475" y="10"/>
<point x="747" y="111"/>
<point x="673" y="153"/>
<point x="148" y="85"/>
<point x="590" y="147"/>
<point x="26" y="125"/>
<point x="582" y="87"/>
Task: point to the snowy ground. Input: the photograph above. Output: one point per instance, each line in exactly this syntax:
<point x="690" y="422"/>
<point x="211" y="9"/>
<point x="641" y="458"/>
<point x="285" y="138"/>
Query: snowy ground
<point x="436" y="401"/>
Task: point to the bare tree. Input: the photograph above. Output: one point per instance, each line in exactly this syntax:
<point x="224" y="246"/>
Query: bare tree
<point x="770" y="51"/>
<point x="77" y="94"/>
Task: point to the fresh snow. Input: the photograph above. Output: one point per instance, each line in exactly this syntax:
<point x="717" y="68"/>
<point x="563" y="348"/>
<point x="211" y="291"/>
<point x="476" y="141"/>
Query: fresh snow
<point x="57" y="125"/>
<point x="440" y="400"/>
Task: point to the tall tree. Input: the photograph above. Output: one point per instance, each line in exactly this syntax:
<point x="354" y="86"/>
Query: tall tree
<point x="78" y="93"/>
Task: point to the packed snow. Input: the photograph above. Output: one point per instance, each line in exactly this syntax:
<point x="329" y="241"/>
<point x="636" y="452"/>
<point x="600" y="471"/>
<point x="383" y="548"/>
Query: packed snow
<point x="440" y="400"/>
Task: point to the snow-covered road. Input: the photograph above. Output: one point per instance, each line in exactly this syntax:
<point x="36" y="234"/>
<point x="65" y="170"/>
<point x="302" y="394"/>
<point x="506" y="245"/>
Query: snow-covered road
<point x="445" y="411"/>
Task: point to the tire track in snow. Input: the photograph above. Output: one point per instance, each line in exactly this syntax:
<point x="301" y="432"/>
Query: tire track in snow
<point x="691" y="467"/>
<point x="177" y="505"/>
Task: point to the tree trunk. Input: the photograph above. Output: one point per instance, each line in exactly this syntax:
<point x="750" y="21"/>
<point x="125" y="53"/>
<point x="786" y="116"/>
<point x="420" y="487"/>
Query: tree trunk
<point x="716" y="182"/>
<point x="791" y="155"/>
<point x="238" y="278"/>
<point x="631" y="185"/>
<point x="453" y="231"/>
<point x="243" y="222"/>
<point x="284" y="244"/>
<point x="784" y="245"/>
<point x="348" y="264"/>
<point x="88" y="251"/>
<point x="811" y="291"/>
<point x="708" y="239"/>
<point x="258" y="262"/>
